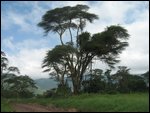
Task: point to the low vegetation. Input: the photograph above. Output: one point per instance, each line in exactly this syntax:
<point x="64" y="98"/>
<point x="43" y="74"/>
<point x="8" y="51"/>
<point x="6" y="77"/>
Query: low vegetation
<point x="6" y="106"/>
<point x="135" y="102"/>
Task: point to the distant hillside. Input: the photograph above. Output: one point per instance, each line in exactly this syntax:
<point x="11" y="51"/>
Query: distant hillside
<point x="45" y="83"/>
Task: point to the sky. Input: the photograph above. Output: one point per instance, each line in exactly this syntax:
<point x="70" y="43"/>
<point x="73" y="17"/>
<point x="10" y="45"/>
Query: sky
<point x="25" y="44"/>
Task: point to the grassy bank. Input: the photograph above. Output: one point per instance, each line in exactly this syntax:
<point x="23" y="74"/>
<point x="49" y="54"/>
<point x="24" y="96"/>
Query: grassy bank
<point x="99" y="102"/>
<point x="115" y="103"/>
<point x="5" y="105"/>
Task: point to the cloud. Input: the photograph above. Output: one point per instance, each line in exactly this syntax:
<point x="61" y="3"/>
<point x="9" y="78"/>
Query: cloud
<point x="137" y="61"/>
<point x="136" y="56"/>
<point x="113" y="13"/>
<point x="27" y="55"/>
<point x="24" y="16"/>
<point x="61" y="4"/>
<point x="139" y="39"/>
<point x="135" y="18"/>
<point x="23" y="21"/>
<point x="8" y="43"/>
<point x="30" y="43"/>
<point x="29" y="62"/>
<point x="27" y="19"/>
<point x="14" y="19"/>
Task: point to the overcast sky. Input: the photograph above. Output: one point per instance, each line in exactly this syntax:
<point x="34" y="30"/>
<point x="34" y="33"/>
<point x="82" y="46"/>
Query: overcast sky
<point x="25" y="46"/>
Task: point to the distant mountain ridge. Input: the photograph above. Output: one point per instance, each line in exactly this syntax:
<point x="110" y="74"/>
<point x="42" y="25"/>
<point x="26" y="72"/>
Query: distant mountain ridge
<point x="45" y="83"/>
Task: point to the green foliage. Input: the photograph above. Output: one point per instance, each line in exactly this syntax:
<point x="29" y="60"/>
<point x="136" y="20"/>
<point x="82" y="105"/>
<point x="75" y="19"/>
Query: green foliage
<point x="95" y="84"/>
<point x="19" y="86"/>
<point x="57" y="55"/>
<point x="127" y="82"/>
<point x="83" y="39"/>
<point x="55" y="62"/>
<point x="122" y="82"/>
<point x="136" y="84"/>
<point x="63" y="91"/>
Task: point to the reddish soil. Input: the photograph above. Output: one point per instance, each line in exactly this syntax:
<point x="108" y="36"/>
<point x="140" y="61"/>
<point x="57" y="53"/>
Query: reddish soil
<point x="18" y="107"/>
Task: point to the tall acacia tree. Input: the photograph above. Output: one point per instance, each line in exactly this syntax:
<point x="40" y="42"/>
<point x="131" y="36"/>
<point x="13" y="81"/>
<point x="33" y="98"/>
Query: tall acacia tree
<point x="106" y="45"/>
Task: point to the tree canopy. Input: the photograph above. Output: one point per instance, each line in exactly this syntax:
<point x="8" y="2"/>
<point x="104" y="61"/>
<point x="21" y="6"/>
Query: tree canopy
<point x="76" y="55"/>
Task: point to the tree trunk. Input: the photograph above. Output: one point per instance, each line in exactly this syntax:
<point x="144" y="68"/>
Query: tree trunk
<point x="76" y="88"/>
<point x="76" y="85"/>
<point x="61" y="41"/>
<point x="71" y="35"/>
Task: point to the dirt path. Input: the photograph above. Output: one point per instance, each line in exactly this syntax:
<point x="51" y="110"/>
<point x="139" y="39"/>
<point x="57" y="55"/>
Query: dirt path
<point x="38" y="108"/>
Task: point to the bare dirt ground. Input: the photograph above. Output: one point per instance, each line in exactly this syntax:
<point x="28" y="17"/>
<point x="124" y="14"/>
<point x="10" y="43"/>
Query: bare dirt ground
<point x="18" y="107"/>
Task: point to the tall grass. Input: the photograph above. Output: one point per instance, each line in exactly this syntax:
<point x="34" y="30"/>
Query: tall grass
<point x="100" y="102"/>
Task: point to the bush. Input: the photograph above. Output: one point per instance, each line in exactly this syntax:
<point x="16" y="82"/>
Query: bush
<point x="39" y="96"/>
<point x="50" y="93"/>
<point x="112" y="92"/>
<point x="26" y="94"/>
<point x="63" y="91"/>
<point x="93" y="86"/>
